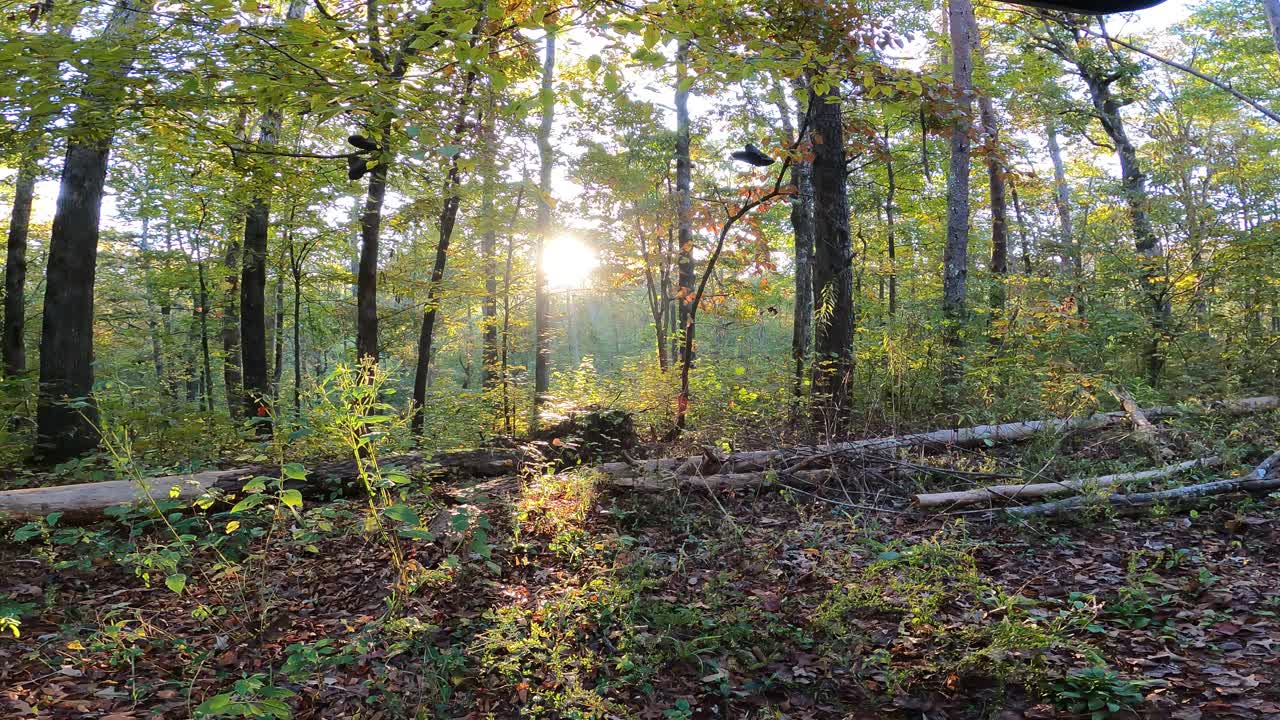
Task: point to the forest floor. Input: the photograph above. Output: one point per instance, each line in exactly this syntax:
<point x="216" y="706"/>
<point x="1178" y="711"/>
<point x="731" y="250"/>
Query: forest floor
<point x="574" y="601"/>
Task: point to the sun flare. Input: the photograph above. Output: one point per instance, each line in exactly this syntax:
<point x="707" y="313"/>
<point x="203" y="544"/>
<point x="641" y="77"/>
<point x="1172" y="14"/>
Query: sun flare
<point x="569" y="263"/>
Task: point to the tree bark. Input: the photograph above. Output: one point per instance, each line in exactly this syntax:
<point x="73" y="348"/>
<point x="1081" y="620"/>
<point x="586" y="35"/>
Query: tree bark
<point x="955" y="258"/>
<point x="66" y="342"/>
<point x="542" y="301"/>
<point x="448" y="218"/>
<point x="489" y="243"/>
<point x="803" y="234"/>
<point x="1068" y="252"/>
<point x="890" y="210"/>
<point x="277" y="337"/>
<point x="833" y="255"/>
<point x="684" y="209"/>
<point x="367" y="277"/>
<point x="999" y="210"/>
<point x="1024" y="242"/>
<point x="1150" y="254"/>
<point x="253" y="282"/>
<point x="15" y="270"/>
<point x="13" y="349"/>
<point x="253" y="278"/>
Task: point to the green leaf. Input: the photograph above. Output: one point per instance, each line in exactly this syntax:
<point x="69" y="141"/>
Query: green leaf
<point x="250" y="502"/>
<point x="176" y="582"/>
<point x="448" y="151"/>
<point x="403" y="513"/>
<point x="292" y="498"/>
<point x="229" y="27"/>
<point x="460" y="522"/>
<point x="652" y="34"/>
<point x="294" y="471"/>
<point x="255" y="485"/>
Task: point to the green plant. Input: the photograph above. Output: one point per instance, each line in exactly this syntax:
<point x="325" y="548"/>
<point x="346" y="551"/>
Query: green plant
<point x="250" y="697"/>
<point x="1098" y="692"/>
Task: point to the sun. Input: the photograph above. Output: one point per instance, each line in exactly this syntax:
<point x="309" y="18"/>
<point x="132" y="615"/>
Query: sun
<point x="568" y="263"/>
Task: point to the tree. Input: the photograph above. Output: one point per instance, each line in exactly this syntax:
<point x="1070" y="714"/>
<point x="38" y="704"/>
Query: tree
<point x="546" y="160"/>
<point x="13" y="351"/>
<point x="955" y="258"/>
<point x="65" y="430"/>
<point x="803" y="247"/>
<point x="1101" y="71"/>
<point x="833" y="253"/>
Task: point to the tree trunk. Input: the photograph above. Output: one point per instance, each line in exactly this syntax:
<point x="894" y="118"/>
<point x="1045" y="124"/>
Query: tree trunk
<point x="1067" y="249"/>
<point x="253" y="278"/>
<point x="997" y="493"/>
<point x="802" y="230"/>
<point x="1272" y="9"/>
<point x="996" y="190"/>
<point x="66" y="342"/>
<point x="1024" y="241"/>
<point x="15" y="270"/>
<point x="542" y="301"/>
<point x="231" y="328"/>
<point x="890" y="209"/>
<point x="13" y="349"/>
<point x="204" y="337"/>
<point x="955" y="259"/>
<point x="833" y="255"/>
<point x="277" y="337"/>
<point x="1150" y="256"/>
<point x="999" y="210"/>
<point x="253" y="285"/>
<point x="367" y="277"/>
<point x="684" y="207"/>
<point x="489" y="243"/>
<point x="448" y="218"/>
<point x="297" y="342"/>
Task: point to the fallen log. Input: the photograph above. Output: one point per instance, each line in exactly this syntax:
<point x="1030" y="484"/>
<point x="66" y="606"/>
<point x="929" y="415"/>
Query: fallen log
<point x="1257" y="480"/>
<point x="998" y="493"/>
<point x="87" y="500"/>
<point x="752" y="461"/>
<point x="1144" y="431"/>
<point x="725" y="481"/>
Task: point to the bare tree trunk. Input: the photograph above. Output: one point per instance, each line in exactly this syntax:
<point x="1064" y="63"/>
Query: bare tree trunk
<point x="253" y="276"/>
<point x="802" y="230"/>
<point x="542" y="301"/>
<point x="277" y="337"/>
<point x="231" y="327"/>
<point x="1024" y="241"/>
<point x="66" y="342"/>
<point x="1272" y="9"/>
<point x="955" y="260"/>
<point x="489" y="243"/>
<point x="448" y="219"/>
<point x="15" y="270"/>
<point x="684" y="210"/>
<point x="367" y="277"/>
<point x="999" y="209"/>
<point x="1150" y="255"/>
<point x="1067" y="251"/>
<point x="890" y="210"/>
<point x="833" y="255"/>
<point x="207" y="373"/>
<point x="13" y="351"/>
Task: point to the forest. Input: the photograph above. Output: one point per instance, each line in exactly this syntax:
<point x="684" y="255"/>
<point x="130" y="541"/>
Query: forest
<point x="653" y="359"/>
